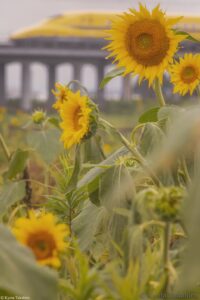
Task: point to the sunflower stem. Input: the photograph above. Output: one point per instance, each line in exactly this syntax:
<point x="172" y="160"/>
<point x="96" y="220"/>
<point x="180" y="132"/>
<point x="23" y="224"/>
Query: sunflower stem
<point x="198" y="93"/>
<point x="158" y="92"/>
<point x="73" y="183"/>
<point x="70" y="220"/>
<point x="185" y="170"/>
<point x="74" y="177"/>
<point x="132" y="150"/>
<point x="4" y="147"/>
<point x="98" y="143"/>
<point x="28" y="189"/>
<point x="79" y="85"/>
<point x="166" y="260"/>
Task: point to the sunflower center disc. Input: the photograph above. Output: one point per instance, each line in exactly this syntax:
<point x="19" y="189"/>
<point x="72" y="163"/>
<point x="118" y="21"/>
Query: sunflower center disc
<point x="76" y="118"/>
<point x="188" y="74"/>
<point x="147" y="42"/>
<point x="42" y="244"/>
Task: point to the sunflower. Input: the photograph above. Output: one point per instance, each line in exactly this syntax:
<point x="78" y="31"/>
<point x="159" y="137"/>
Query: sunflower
<point x="61" y="95"/>
<point x="43" y="236"/>
<point x="38" y="116"/>
<point x="76" y="117"/>
<point x="143" y="42"/>
<point x="185" y="74"/>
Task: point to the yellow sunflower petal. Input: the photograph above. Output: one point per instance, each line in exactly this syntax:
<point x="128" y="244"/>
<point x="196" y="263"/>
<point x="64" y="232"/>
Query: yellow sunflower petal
<point x="143" y="42"/>
<point x="61" y="95"/>
<point x="185" y="74"/>
<point x="75" y="115"/>
<point x="43" y="236"/>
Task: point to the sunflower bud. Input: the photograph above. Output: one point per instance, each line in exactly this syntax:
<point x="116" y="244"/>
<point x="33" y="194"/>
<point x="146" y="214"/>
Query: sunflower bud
<point x="38" y="117"/>
<point x="127" y="161"/>
<point x="169" y="202"/>
<point x="145" y="202"/>
<point x="160" y="203"/>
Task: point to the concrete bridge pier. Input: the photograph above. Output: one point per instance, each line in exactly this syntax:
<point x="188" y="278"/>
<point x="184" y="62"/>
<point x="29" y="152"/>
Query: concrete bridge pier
<point x="100" y="92"/>
<point x="126" y="88"/>
<point x="2" y="85"/>
<point x="26" y="101"/>
<point x="76" y="74"/>
<point x="77" y="71"/>
<point x="51" y="84"/>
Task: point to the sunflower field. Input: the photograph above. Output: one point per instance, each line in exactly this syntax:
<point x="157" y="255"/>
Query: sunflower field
<point x="82" y="218"/>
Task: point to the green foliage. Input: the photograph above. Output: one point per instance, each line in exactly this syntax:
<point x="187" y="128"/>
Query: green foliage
<point x="10" y="194"/>
<point x="151" y="138"/>
<point x="83" y="285"/>
<point x="17" y="163"/>
<point x="169" y="203"/>
<point x="117" y="208"/>
<point x="110" y="75"/>
<point x="54" y="121"/>
<point x="132" y="215"/>
<point x="187" y="35"/>
<point x="45" y="143"/>
<point x="97" y="171"/>
<point x="150" y="116"/>
<point x="90" y="214"/>
<point x="20" y="275"/>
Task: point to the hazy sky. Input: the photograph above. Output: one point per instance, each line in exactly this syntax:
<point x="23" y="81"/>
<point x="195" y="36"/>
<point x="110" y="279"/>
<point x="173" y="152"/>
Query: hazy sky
<point x="16" y="14"/>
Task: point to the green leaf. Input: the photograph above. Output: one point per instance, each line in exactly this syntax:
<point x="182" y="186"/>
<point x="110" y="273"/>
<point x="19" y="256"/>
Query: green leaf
<point x="136" y="241"/>
<point x="11" y="193"/>
<point x="45" y="143"/>
<point x="17" y="163"/>
<point x="92" y="151"/>
<point x="54" y="121"/>
<point x="110" y="75"/>
<point x="93" y="186"/>
<point x="170" y="111"/>
<point x="20" y="274"/>
<point x="87" y="223"/>
<point x="188" y="36"/>
<point x="122" y="212"/>
<point x="150" y="115"/>
<point x="151" y="138"/>
<point x="93" y="191"/>
<point x="116" y="191"/>
<point x="77" y="165"/>
<point x="99" y="170"/>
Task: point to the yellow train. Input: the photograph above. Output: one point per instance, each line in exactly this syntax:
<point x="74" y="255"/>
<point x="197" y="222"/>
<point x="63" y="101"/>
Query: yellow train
<point x="90" y="24"/>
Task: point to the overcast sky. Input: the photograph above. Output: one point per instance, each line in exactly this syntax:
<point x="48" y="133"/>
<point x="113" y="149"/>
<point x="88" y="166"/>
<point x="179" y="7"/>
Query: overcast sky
<point x="16" y="14"/>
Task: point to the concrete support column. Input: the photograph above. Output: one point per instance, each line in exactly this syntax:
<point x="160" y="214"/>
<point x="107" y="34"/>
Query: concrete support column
<point x="77" y="71"/>
<point x="26" y="103"/>
<point x="126" y="88"/>
<point x="100" y="92"/>
<point x="51" y="84"/>
<point x="2" y="85"/>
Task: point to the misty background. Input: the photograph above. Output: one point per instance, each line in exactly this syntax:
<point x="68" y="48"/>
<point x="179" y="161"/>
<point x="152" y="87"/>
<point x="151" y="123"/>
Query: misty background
<point x="18" y="14"/>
